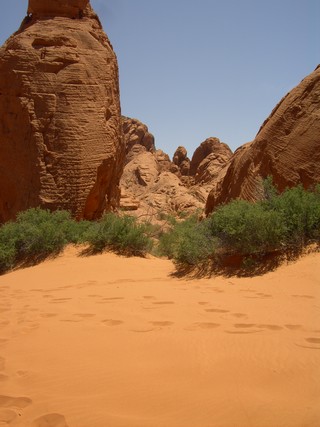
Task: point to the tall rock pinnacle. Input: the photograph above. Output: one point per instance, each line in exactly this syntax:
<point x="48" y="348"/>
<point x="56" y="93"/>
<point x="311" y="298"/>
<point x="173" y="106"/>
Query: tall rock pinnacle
<point x="61" y="143"/>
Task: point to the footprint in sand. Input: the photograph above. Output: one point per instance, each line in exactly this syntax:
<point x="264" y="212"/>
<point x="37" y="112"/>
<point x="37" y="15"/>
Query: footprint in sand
<point x="271" y="327"/>
<point x="48" y="315"/>
<point x="202" y="325"/>
<point x="84" y="315"/>
<point x="59" y="300"/>
<point x="216" y="310"/>
<point x="293" y="327"/>
<point x="244" y="328"/>
<point x="112" y="322"/>
<point x="50" y="420"/>
<point x="239" y="315"/>
<point x="14" y="402"/>
<point x="162" y="323"/>
<point x="303" y="296"/>
<point x="311" y="340"/>
<point x="163" y="302"/>
<point x="7" y="416"/>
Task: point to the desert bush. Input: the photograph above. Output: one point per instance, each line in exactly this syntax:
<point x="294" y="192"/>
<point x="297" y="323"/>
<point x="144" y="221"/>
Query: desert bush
<point x="281" y="223"/>
<point x="248" y="228"/>
<point x="36" y="234"/>
<point x="300" y="210"/>
<point x="119" y="233"/>
<point x="188" y="241"/>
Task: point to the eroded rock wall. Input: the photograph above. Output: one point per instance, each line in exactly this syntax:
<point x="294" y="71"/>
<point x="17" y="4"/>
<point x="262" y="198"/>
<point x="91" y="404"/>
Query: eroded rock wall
<point x="61" y="144"/>
<point x="287" y="147"/>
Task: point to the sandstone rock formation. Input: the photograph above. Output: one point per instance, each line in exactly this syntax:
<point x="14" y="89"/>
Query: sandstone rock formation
<point x="208" y="159"/>
<point x="151" y="183"/>
<point x="287" y="147"/>
<point x="182" y="161"/>
<point x="136" y="136"/>
<point x="60" y="132"/>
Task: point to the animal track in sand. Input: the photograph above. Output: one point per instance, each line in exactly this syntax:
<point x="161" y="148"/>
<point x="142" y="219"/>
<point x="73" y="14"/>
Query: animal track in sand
<point x="15" y="402"/>
<point x="206" y="325"/>
<point x="48" y="315"/>
<point x="244" y="328"/>
<point x="216" y="310"/>
<point x="59" y="300"/>
<point x="112" y="322"/>
<point x="244" y="325"/>
<point x="293" y="327"/>
<point x="7" y="416"/>
<point x="163" y="302"/>
<point x="271" y="327"/>
<point x="239" y="315"/>
<point x="162" y="323"/>
<point x="84" y="315"/>
<point x="303" y="296"/>
<point x="313" y="340"/>
<point x="50" y="420"/>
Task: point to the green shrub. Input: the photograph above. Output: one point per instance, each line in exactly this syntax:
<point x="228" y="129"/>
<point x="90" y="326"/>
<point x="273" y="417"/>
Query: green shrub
<point x="123" y="234"/>
<point x="280" y="223"/>
<point x="36" y="234"/>
<point x="301" y="212"/>
<point x="248" y="228"/>
<point x="188" y="242"/>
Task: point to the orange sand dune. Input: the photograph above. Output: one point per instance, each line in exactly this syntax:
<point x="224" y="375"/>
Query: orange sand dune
<point x="109" y="341"/>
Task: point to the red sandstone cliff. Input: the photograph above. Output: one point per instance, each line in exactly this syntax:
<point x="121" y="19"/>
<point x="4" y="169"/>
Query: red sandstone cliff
<point x="287" y="147"/>
<point x="60" y="132"/>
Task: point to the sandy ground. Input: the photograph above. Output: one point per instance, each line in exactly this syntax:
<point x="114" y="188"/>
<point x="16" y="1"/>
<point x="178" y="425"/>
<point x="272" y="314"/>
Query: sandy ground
<point x="109" y="341"/>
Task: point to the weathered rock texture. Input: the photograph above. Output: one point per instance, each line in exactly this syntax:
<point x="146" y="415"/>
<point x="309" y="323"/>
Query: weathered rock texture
<point x="152" y="184"/>
<point x="287" y="147"/>
<point x="136" y="137"/>
<point x="61" y="140"/>
<point x="208" y="160"/>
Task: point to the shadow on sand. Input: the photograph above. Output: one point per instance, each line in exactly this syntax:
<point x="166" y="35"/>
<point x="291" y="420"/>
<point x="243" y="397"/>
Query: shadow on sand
<point x="235" y="265"/>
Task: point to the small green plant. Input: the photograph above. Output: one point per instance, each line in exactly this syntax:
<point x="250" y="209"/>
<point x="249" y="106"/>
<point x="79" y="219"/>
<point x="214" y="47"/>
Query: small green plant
<point x="188" y="241"/>
<point x="248" y="228"/>
<point x="37" y="234"/>
<point x="119" y="233"/>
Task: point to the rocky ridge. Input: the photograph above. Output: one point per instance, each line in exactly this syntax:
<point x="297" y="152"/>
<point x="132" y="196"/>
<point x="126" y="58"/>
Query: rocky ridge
<point x="152" y="184"/>
<point x="287" y="147"/>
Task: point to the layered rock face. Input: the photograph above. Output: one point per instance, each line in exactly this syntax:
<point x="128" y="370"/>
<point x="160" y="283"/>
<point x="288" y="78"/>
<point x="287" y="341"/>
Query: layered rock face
<point x="287" y="147"/>
<point x="152" y="184"/>
<point x="208" y="159"/>
<point x="61" y="143"/>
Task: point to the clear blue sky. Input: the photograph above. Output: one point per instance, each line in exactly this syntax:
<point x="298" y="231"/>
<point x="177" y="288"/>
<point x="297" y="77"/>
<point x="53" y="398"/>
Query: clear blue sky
<point x="191" y="69"/>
